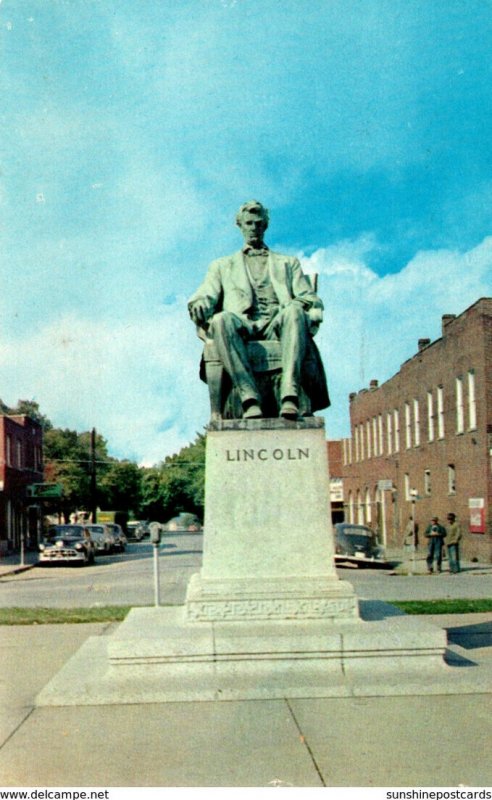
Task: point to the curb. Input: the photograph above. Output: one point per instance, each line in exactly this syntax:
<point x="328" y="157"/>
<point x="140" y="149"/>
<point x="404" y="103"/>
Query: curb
<point x="15" y="570"/>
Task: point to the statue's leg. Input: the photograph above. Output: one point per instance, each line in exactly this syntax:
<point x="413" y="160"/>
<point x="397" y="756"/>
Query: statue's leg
<point x="227" y="332"/>
<point x="293" y="333"/>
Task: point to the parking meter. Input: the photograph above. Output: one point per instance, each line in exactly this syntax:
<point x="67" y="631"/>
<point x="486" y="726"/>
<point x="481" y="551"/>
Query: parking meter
<point x="155" y="534"/>
<point x="155" y="538"/>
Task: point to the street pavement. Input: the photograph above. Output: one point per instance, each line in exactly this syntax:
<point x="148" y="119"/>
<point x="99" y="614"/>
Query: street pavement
<point x="128" y="579"/>
<point x="406" y="741"/>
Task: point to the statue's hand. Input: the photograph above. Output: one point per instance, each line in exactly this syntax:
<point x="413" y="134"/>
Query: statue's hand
<point x="198" y="312"/>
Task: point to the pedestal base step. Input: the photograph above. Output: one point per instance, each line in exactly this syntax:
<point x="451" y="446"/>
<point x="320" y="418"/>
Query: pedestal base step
<point x="156" y="656"/>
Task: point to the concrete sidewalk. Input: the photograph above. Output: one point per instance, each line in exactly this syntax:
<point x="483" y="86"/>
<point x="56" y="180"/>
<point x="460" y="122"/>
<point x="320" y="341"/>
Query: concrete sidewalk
<point x="377" y="741"/>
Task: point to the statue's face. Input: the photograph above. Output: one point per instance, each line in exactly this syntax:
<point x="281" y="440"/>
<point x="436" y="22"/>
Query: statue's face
<point x="252" y="226"/>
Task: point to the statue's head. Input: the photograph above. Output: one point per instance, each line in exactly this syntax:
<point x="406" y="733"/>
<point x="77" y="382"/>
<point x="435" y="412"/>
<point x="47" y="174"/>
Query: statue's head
<point x="253" y="207"/>
<point x="252" y="218"/>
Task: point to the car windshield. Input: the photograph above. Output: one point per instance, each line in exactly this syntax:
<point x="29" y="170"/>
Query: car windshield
<point x="358" y="535"/>
<point x="65" y="531"/>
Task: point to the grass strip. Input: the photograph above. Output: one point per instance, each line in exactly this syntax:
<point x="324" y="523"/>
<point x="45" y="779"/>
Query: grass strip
<point x="56" y="616"/>
<point x="446" y="606"/>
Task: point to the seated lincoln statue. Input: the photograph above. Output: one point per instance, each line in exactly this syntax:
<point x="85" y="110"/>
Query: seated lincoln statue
<point x="258" y="313"/>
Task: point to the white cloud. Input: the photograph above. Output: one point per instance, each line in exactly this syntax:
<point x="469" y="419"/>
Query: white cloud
<point x="372" y="324"/>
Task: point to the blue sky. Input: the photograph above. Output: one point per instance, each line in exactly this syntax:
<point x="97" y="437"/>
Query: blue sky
<point x="131" y="133"/>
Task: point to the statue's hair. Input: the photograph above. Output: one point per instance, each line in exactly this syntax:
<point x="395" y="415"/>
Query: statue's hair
<point x="253" y="207"/>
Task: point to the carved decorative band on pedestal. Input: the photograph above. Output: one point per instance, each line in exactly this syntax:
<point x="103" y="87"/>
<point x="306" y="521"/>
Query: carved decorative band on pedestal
<point x="271" y="609"/>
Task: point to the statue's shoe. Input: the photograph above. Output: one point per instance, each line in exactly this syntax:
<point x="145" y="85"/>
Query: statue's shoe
<point x="252" y="412"/>
<point x="289" y="410"/>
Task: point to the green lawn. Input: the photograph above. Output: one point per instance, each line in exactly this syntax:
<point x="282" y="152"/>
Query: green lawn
<point x="443" y="606"/>
<point x="45" y="616"/>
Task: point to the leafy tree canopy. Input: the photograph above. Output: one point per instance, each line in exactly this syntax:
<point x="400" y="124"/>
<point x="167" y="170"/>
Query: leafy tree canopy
<point x="177" y="484"/>
<point x="29" y="408"/>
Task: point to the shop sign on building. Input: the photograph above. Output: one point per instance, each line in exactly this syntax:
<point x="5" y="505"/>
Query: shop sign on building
<point x="476" y="507"/>
<point x="336" y="490"/>
<point x="44" y="491"/>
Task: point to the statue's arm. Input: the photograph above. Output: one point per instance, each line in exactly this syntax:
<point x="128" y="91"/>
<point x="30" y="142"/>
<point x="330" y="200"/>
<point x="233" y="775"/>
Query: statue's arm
<point x="204" y="301"/>
<point x="303" y="293"/>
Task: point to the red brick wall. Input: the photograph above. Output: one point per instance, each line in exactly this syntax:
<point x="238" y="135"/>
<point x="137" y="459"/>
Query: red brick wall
<point x="466" y="345"/>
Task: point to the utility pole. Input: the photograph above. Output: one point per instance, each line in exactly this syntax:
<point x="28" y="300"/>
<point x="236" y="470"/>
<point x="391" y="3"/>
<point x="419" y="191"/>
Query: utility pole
<point x="93" y="476"/>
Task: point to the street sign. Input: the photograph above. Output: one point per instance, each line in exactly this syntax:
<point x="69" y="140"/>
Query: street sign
<point x="44" y="491"/>
<point x="385" y="485"/>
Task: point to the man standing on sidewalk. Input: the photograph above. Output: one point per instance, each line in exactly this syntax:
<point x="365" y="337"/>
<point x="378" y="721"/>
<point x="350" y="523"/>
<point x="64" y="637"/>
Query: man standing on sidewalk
<point x="453" y="543"/>
<point x="435" y="534"/>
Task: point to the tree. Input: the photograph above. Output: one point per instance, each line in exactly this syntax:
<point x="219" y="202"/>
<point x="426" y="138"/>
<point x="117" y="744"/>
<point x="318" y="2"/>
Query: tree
<point x="120" y="486"/>
<point x="31" y="409"/>
<point x="28" y="408"/>
<point x="68" y="461"/>
<point x="177" y="484"/>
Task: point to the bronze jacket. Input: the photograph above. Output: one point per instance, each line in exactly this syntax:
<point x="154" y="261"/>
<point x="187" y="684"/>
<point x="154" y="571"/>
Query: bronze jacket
<point x="226" y="287"/>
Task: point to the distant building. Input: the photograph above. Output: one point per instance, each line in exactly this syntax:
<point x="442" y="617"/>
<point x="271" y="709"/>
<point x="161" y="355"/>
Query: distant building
<point x="21" y="464"/>
<point x="335" y="466"/>
<point x="424" y="437"/>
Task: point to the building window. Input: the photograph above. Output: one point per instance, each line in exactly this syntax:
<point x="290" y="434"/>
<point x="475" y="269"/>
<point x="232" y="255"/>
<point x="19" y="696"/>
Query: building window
<point x="460" y="414"/>
<point x="396" y="421"/>
<point x="18" y="454"/>
<point x="347" y="451"/>
<point x="389" y="432"/>
<point x="381" y="438"/>
<point x="368" y="433"/>
<point x="375" y="437"/>
<point x="408" y="426"/>
<point x="406" y="486"/>
<point x="361" y="441"/>
<point x="368" y="507"/>
<point x="440" y="412"/>
<point x="451" y="479"/>
<point x="416" y="423"/>
<point x="350" y="507"/>
<point x="356" y="442"/>
<point x="427" y="483"/>
<point x="430" y="416"/>
<point x="8" y="449"/>
<point x="472" y="405"/>
<point x="360" y="509"/>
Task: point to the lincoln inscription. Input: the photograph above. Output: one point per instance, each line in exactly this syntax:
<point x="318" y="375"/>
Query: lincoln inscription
<point x="265" y="454"/>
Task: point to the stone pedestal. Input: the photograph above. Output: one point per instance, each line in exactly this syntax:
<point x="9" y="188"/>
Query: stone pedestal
<point x="267" y="616"/>
<point x="268" y="543"/>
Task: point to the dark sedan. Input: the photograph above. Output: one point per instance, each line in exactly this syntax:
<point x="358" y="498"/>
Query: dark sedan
<point x="358" y="544"/>
<point x="67" y="544"/>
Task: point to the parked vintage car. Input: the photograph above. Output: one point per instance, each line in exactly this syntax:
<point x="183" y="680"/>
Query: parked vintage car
<point x="185" y="521"/>
<point x="136" y="529"/>
<point x="102" y="536"/>
<point x="64" y="544"/>
<point x="358" y="544"/>
<point x="119" y="537"/>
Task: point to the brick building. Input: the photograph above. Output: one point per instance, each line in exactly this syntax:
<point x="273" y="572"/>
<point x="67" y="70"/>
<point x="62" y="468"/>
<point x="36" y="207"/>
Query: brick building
<point x="21" y="464"/>
<point x="335" y="464"/>
<point x="423" y="439"/>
